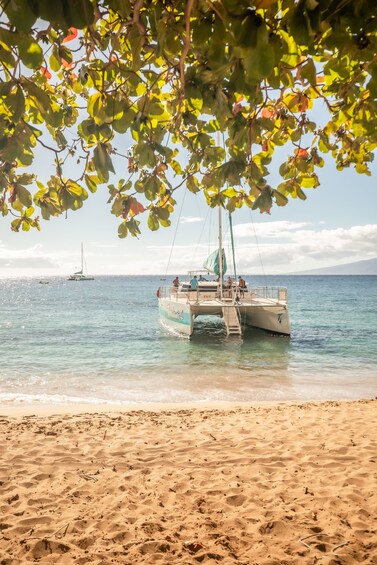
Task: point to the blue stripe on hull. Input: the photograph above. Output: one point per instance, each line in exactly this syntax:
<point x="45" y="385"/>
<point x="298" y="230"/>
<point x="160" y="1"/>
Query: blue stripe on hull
<point x="176" y="318"/>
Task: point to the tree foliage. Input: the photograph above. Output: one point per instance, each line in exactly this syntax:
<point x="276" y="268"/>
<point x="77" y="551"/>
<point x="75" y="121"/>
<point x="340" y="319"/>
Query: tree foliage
<point x="195" y="95"/>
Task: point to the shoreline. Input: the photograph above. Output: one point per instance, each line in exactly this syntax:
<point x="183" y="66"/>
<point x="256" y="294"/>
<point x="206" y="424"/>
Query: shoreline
<point x="275" y="483"/>
<point x="46" y="411"/>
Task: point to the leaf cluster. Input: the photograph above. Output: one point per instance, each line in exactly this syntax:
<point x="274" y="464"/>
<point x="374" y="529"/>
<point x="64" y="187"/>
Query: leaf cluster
<point x="199" y="93"/>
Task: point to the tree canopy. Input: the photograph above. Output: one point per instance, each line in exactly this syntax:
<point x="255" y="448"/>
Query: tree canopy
<point x="194" y="95"/>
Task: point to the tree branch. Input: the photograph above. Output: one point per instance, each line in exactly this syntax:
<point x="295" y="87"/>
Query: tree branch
<point x="186" y="46"/>
<point x="136" y="19"/>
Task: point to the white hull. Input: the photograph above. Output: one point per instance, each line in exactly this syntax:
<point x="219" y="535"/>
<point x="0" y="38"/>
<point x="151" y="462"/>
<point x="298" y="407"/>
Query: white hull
<point x="179" y="310"/>
<point x="176" y="316"/>
<point x="80" y="275"/>
<point x="270" y="318"/>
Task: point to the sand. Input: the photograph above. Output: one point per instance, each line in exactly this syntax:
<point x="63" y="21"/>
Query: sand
<point x="265" y="484"/>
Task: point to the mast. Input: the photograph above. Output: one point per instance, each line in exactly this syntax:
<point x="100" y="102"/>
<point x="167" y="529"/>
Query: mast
<point x="232" y="240"/>
<point x="220" y="255"/>
<point x="82" y="259"/>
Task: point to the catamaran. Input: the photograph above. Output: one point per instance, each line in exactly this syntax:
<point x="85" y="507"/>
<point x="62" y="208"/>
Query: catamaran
<point x="81" y="275"/>
<point x="259" y="307"/>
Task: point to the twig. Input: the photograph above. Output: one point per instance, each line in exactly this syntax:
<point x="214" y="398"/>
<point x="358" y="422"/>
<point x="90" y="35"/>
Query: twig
<point x="186" y="46"/>
<point x="338" y="546"/>
<point x="65" y="531"/>
<point x="88" y="477"/>
<point x="136" y="19"/>
<point x="311" y="536"/>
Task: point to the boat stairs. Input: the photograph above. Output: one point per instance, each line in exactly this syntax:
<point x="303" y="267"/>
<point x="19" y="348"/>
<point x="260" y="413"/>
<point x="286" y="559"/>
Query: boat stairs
<point x="232" y="320"/>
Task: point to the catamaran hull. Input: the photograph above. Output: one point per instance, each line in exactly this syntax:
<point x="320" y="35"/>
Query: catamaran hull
<point x="270" y="318"/>
<point x="180" y="316"/>
<point x="176" y="316"/>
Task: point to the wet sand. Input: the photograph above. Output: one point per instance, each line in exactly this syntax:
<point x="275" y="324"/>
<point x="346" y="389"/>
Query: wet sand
<point x="252" y="484"/>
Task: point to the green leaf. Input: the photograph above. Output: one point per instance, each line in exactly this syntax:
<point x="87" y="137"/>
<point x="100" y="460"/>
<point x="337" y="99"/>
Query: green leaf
<point x="102" y="162"/>
<point x="123" y="230"/>
<point x="78" y="13"/>
<point x="16" y="103"/>
<point x="309" y="182"/>
<point x="16" y="224"/>
<point x="133" y="227"/>
<point x="91" y="182"/>
<point x="259" y="62"/>
<point x="31" y="53"/>
<point x="153" y="223"/>
<point x="38" y="96"/>
<point x="24" y="196"/>
<point x="145" y="154"/>
<point x="280" y="199"/>
<point x="308" y="71"/>
<point x="51" y="11"/>
<point x="192" y="184"/>
<point x="54" y="60"/>
<point x="20" y="14"/>
<point x="264" y="200"/>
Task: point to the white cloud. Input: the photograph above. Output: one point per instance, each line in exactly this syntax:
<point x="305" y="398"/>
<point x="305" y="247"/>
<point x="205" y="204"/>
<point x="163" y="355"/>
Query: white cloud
<point x="30" y="258"/>
<point x="300" y="249"/>
<point x="280" y="247"/>
<point x="190" y="219"/>
<point x="267" y="229"/>
<point x="103" y="246"/>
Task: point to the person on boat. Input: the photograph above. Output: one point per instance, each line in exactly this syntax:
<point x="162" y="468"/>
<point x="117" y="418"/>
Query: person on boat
<point x="194" y="283"/>
<point x="201" y="278"/>
<point x="241" y="285"/>
<point x="229" y="286"/>
<point x="176" y="282"/>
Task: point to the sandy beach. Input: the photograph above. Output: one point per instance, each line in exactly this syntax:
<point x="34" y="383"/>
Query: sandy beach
<point x="255" y="484"/>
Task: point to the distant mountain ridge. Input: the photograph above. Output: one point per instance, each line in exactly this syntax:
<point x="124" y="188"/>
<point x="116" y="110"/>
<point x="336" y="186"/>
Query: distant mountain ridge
<point x="367" y="267"/>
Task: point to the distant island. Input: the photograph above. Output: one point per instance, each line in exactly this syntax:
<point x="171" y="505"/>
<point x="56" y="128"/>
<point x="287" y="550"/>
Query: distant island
<point x="368" y="267"/>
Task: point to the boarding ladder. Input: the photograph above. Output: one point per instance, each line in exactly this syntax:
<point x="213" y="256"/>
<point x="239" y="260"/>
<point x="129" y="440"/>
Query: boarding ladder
<point x="232" y="321"/>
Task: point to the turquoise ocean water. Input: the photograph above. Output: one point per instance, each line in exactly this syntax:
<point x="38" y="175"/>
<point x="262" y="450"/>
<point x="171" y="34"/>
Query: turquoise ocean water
<point x="101" y="342"/>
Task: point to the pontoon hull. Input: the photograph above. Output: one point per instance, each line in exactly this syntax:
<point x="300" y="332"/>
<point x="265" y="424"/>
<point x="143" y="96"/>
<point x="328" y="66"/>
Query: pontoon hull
<point x="179" y="316"/>
<point x="270" y="318"/>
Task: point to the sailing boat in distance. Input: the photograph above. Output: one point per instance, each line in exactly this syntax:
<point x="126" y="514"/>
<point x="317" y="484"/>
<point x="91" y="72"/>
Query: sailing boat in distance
<point x="80" y="275"/>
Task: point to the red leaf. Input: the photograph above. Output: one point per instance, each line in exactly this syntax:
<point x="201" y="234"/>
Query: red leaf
<point x="303" y="103"/>
<point x="66" y="64"/>
<point x="301" y="153"/>
<point x="136" y="208"/>
<point x="268" y="113"/>
<point x="71" y="35"/>
<point x="45" y="72"/>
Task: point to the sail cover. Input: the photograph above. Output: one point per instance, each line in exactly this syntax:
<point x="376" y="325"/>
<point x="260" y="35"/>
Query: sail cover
<point x="212" y="263"/>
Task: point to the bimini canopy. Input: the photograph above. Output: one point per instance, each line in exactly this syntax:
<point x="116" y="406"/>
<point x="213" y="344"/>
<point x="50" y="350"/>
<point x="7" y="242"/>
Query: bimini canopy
<point x="212" y="263"/>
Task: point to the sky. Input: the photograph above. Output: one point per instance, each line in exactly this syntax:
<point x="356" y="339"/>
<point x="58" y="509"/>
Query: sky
<point x="337" y="224"/>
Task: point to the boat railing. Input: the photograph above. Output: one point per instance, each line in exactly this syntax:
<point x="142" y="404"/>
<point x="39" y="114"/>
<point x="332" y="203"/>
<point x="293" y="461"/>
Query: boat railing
<point x="273" y="293"/>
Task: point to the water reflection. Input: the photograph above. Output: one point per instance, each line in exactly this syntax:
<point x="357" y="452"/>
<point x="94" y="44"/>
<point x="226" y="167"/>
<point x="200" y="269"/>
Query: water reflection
<point x="254" y="367"/>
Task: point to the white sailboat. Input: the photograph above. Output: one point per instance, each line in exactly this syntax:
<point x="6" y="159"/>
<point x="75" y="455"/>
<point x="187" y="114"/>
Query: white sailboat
<point x="260" y="307"/>
<point x="81" y="275"/>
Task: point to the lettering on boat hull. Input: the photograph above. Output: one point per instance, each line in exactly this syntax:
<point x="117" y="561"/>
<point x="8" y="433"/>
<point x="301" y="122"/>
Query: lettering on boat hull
<point x="176" y="316"/>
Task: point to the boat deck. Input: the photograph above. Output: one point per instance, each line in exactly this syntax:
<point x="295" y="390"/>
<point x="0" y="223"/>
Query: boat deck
<point x="261" y="296"/>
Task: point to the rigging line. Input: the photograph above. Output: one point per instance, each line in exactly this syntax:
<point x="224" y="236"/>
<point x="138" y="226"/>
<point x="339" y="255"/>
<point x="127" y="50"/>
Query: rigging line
<point x="200" y="238"/>
<point x="257" y="244"/>
<point x="232" y="241"/>
<point x="175" y="233"/>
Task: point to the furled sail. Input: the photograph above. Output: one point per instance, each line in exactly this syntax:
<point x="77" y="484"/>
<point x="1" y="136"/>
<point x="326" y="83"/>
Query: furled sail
<point x="212" y="263"/>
